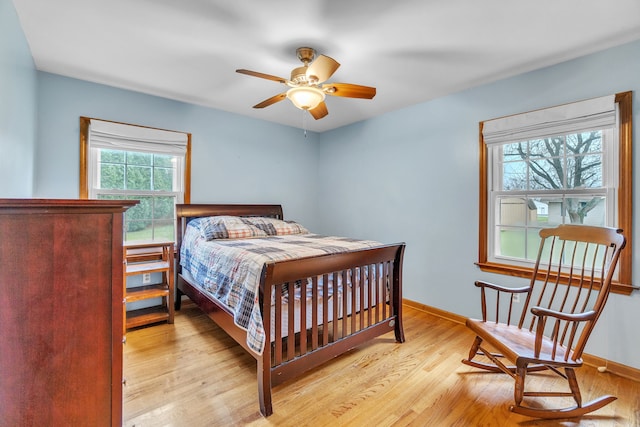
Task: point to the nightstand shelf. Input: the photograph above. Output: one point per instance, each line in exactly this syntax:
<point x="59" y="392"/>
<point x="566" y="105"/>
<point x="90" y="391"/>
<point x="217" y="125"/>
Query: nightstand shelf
<point x="147" y="267"/>
<point x="146" y="316"/>
<point x="145" y="258"/>
<point x="148" y="291"/>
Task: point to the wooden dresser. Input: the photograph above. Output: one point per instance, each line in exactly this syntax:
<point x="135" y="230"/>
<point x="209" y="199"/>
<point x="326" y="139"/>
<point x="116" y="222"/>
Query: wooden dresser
<point x="61" y="312"/>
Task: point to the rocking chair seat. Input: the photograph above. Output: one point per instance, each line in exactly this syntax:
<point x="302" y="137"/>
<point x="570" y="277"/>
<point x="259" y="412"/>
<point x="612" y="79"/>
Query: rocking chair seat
<point x="517" y="344"/>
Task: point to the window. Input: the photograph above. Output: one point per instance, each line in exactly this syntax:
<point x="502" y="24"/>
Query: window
<point x="121" y="161"/>
<point x="565" y="164"/>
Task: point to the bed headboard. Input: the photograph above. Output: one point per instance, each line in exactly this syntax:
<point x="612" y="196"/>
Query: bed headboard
<point x="187" y="212"/>
<point x="195" y="211"/>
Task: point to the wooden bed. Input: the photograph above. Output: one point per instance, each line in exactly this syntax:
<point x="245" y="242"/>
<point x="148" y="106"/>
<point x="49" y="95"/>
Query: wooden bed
<point x="353" y="297"/>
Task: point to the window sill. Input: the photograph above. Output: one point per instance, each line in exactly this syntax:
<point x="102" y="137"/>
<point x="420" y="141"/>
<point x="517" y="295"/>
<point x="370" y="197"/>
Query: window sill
<point x="510" y="270"/>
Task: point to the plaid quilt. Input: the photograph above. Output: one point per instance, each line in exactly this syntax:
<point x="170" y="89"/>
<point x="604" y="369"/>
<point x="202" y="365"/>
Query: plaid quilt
<point x="229" y="269"/>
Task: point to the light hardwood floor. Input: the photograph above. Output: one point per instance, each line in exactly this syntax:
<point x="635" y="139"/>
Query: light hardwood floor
<point x="192" y="374"/>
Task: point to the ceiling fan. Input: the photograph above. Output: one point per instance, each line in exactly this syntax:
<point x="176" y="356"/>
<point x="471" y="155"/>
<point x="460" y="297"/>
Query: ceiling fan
<point x="306" y="90"/>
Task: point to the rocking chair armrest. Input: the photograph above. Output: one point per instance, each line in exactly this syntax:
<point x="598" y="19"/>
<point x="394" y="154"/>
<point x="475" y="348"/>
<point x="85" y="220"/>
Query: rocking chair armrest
<point x="544" y="313"/>
<point x="500" y="288"/>
<point x="577" y="317"/>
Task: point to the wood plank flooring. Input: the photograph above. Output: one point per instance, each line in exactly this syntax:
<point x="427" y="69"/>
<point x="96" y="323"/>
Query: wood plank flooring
<point x="192" y="374"/>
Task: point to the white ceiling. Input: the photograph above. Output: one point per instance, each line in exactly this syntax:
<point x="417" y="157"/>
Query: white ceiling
<point x="410" y="50"/>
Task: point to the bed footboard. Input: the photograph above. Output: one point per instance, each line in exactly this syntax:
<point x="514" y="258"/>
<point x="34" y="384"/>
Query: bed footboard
<point x="315" y="309"/>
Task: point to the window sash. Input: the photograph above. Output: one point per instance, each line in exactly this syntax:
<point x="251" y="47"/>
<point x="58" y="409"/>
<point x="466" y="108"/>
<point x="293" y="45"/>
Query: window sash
<point x="497" y="224"/>
<point x="93" y="175"/>
<point x="154" y="220"/>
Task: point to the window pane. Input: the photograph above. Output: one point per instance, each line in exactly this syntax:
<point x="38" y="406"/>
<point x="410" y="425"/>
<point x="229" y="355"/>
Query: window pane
<point x="112" y="176"/>
<point x="513" y="211"/>
<point x="163" y="230"/>
<point x="143" y="159"/>
<point x="555" y="211"/>
<point x="584" y="142"/>
<point x="584" y="171"/>
<point x="112" y="156"/>
<point x="163" y="179"/>
<point x="163" y="160"/>
<point x="514" y="151"/>
<point x="519" y="243"/>
<point x="547" y="147"/>
<point x="138" y="178"/>
<point x="586" y="210"/>
<point x="512" y="242"/>
<point x="514" y="176"/>
<point x="539" y="213"/>
<point x="546" y="174"/>
<point x="533" y="243"/>
<point x="164" y="208"/>
<point x="138" y="218"/>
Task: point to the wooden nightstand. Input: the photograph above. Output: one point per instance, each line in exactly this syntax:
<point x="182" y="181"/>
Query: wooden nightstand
<point x="145" y="258"/>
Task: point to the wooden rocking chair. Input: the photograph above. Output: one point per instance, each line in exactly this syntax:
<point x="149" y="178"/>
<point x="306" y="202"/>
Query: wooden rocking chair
<point x="569" y="288"/>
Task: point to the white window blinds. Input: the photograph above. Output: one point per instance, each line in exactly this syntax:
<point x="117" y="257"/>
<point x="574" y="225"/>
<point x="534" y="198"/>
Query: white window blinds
<point x="591" y="114"/>
<point x="117" y="136"/>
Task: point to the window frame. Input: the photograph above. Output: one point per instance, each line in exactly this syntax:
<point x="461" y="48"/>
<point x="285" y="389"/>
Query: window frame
<point x="624" y="202"/>
<point x="85" y="158"/>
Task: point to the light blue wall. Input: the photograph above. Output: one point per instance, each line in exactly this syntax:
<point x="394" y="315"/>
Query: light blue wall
<point x="412" y="175"/>
<point x="234" y="159"/>
<point x="17" y="106"/>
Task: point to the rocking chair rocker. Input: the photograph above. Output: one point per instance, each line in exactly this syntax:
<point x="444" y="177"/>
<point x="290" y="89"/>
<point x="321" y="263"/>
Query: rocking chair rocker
<point x="568" y="290"/>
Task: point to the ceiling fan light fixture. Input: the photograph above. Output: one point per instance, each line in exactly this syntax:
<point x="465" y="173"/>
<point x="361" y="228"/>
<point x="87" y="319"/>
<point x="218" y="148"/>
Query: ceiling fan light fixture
<point x="305" y="97"/>
<point x="307" y="88"/>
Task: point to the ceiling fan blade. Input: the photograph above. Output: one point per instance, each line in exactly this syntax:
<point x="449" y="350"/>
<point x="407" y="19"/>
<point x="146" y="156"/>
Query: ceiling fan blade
<point x="320" y="111"/>
<point x="279" y="97"/>
<point x="322" y="68"/>
<point x="349" y="91"/>
<point x="262" y="75"/>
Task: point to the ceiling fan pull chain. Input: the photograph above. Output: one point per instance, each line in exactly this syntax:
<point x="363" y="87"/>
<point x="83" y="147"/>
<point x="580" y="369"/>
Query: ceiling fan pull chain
<point x="304" y="122"/>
